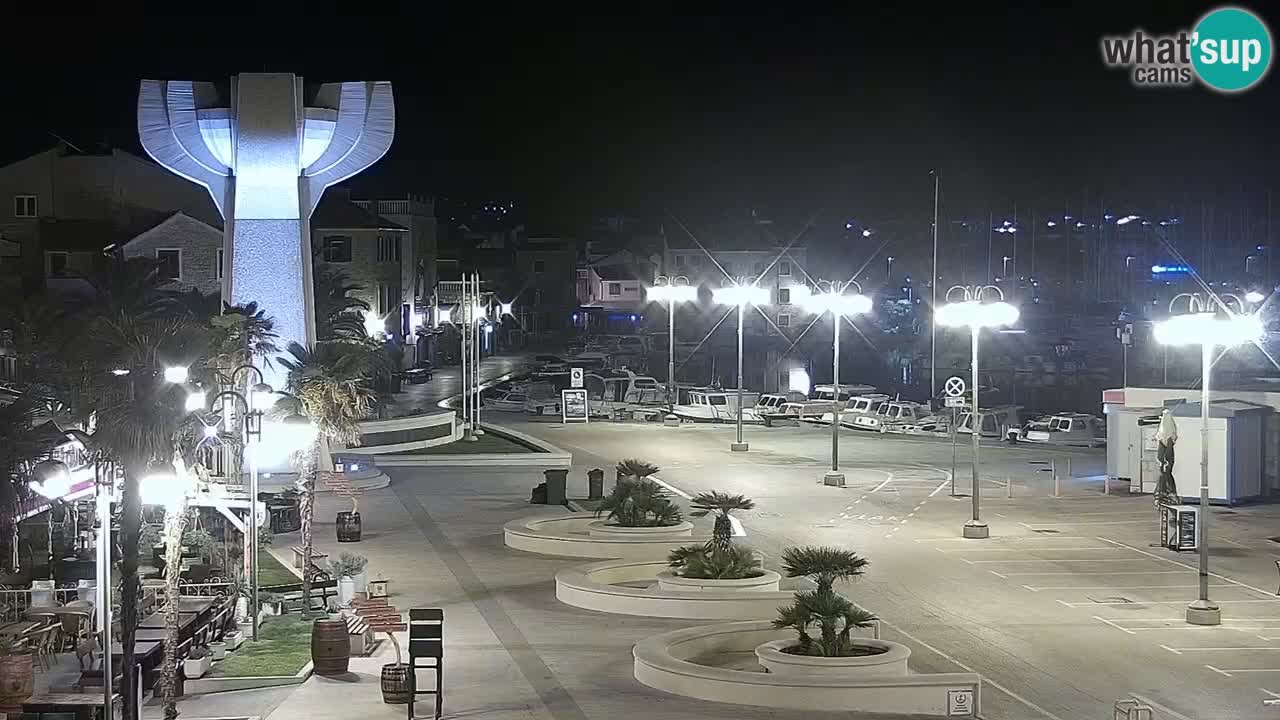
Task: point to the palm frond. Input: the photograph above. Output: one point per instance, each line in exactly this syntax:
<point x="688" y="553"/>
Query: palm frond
<point x="633" y="467"/>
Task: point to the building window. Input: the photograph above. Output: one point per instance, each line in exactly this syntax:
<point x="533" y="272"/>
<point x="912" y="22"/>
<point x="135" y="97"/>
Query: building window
<point x="784" y="267"/>
<point x="386" y="298"/>
<point x="24" y="206"/>
<point x="584" y="274"/>
<point x="57" y="264"/>
<point x="388" y="248"/>
<point x="218" y="270"/>
<point x="170" y="264"/>
<point x="615" y="289"/>
<point x="784" y="320"/>
<point x="539" y="266"/>
<point x="337" y="249"/>
<point x="679" y="261"/>
<point x="784" y="296"/>
<point x="757" y="269"/>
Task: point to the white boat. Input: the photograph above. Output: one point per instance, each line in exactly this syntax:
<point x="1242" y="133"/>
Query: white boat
<point x="505" y="401"/>
<point x="995" y="421"/>
<point x="855" y="407"/>
<point x="888" y="414"/>
<point x="716" y="406"/>
<point x="608" y="391"/>
<point x="817" y="408"/>
<point x="1061" y="429"/>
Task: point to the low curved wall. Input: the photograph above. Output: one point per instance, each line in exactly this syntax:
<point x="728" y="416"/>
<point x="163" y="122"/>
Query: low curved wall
<point x="566" y="536"/>
<point x="767" y="582"/>
<point x="663" y="662"/>
<point x="413" y="432"/>
<point x="893" y="661"/>
<point x="597" y="587"/>
<point x="605" y="529"/>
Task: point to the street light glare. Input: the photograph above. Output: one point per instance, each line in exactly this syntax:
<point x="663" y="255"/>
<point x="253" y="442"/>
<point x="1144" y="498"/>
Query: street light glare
<point x="1254" y="296"/>
<point x="195" y="401"/>
<point x="505" y="308"/>
<point x="741" y="295"/>
<point x="672" y="293"/>
<point x="176" y="375"/>
<point x="374" y="324"/>
<point x="119" y="372"/>
<point x="1199" y="328"/>
<point x="974" y="314"/>
<point x="837" y="303"/>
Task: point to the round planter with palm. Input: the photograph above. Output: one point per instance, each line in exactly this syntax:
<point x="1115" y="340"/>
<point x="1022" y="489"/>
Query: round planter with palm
<point x="638" y="506"/>
<point x="719" y="565"/>
<point x="833" y="651"/>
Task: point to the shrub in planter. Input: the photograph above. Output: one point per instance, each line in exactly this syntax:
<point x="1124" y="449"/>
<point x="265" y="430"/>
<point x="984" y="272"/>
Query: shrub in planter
<point x="639" y="502"/>
<point x="218" y="650"/>
<point x="197" y="663"/>
<point x="721" y="504"/>
<point x="719" y="559"/>
<point x="833" y="616"/>
<point x="17" y="673"/>
<point x="233" y="639"/>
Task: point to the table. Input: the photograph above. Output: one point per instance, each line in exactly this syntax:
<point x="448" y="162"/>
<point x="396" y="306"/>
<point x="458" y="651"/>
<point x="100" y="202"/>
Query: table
<point x="20" y="628"/>
<point x="148" y="635"/>
<point x="84" y="705"/>
<point x="196" y="604"/>
<point x="61" y="610"/>
<point x="156" y="621"/>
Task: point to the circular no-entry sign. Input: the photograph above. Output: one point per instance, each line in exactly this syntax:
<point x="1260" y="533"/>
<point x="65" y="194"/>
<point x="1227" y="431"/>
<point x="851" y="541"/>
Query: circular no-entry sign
<point x="954" y="386"/>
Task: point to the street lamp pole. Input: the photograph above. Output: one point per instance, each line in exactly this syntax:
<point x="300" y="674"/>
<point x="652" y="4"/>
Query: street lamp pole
<point x="475" y="344"/>
<point x="835" y="396"/>
<point x="105" y="488"/>
<point x="839" y="305"/>
<point x="739" y="445"/>
<point x="740" y="293"/>
<point x="673" y="289"/>
<point x="1208" y="330"/>
<point x="975" y="314"/>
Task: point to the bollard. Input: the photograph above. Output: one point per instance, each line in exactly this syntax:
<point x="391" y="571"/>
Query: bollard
<point x="1106" y="484"/>
<point x="1057" y="487"/>
<point x="1008" y="486"/>
<point x="556" y="480"/>
<point x="595" y="484"/>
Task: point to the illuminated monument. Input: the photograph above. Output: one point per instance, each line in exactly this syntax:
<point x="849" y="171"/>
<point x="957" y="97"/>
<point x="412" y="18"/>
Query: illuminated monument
<point x="266" y="154"/>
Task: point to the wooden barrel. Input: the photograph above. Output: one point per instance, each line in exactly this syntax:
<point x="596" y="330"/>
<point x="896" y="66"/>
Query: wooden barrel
<point x="348" y="526"/>
<point x="17" y="681"/>
<point x="330" y="648"/>
<point x="396" y="686"/>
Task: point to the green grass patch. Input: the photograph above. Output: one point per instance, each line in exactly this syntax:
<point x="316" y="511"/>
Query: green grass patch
<point x="271" y="572"/>
<point x="283" y="647"/>
<point x="484" y="444"/>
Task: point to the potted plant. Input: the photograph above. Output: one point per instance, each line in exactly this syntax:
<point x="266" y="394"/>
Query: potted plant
<point x="834" y="651"/>
<point x="718" y="564"/>
<point x="348" y="523"/>
<point x="639" y="506"/>
<point x="345" y="567"/>
<point x="218" y="649"/>
<point x="233" y="639"/>
<point x="197" y="663"/>
<point x="17" y="673"/>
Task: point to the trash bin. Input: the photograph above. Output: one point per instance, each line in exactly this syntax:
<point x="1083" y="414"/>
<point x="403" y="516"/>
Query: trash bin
<point x="595" y="484"/>
<point x="556" y="480"/>
<point x="539" y="494"/>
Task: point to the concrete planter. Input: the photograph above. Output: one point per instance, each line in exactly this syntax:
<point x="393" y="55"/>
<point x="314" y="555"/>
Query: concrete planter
<point x="568" y="535"/>
<point x="604" y="528"/>
<point x="612" y="587"/>
<point x="233" y="640"/>
<point x="670" y="582"/>
<point x="196" y="668"/>
<point x="346" y="591"/>
<point x="893" y="661"/>
<point x="676" y="662"/>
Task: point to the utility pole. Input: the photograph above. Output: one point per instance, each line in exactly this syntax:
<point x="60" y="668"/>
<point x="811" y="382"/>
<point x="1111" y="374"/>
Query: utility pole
<point x="933" y="297"/>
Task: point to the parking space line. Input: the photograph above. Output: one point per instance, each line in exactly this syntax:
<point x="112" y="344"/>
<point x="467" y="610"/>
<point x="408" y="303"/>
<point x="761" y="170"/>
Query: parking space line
<point x="1037" y="549"/>
<point x="1126" y="572"/>
<point x="887" y="480"/>
<point x="993" y="572"/>
<point x="1232" y="671"/>
<point x="1175" y="652"/>
<point x="1035" y="560"/>
<point x="1021" y="538"/>
<point x="1086" y="522"/>
<point x="1163" y="602"/>
<point x="1118" y="627"/>
<point x="941" y="485"/>
<point x="1111" y="587"/>
<point x="1190" y="567"/>
<point x="1233" y="649"/>
<point x="1220" y="672"/>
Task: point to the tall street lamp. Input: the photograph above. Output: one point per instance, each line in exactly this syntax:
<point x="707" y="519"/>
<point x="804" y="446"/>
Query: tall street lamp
<point x="840" y="305"/>
<point x="1208" y="330"/>
<point x="742" y="294"/>
<point x="975" y="314"/>
<point x="672" y="290"/>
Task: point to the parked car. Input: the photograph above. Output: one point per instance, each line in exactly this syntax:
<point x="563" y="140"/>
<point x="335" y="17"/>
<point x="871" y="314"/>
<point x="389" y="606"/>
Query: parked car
<point x="505" y="401"/>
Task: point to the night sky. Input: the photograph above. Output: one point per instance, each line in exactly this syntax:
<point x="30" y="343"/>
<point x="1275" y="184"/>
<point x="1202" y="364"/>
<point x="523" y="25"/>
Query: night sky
<point x="571" y="115"/>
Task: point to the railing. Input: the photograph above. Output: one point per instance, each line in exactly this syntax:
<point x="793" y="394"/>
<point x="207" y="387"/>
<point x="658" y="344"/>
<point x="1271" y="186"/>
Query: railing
<point x="385" y="207"/>
<point x="14" y="603"/>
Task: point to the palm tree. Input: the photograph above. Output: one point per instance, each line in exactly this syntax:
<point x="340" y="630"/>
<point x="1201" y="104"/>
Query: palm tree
<point x="332" y="383"/>
<point x="20" y="446"/>
<point x="834" y="615"/>
<point x="636" y="468"/>
<point x="639" y="503"/>
<point x="339" y="314"/>
<point x="721" y="504"/>
<point x="824" y="565"/>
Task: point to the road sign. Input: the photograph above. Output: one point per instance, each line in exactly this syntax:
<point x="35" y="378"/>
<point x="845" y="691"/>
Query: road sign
<point x="960" y="703"/>
<point x="575" y="377"/>
<point x="955" y="401"/>
<point x="954" y="386"/>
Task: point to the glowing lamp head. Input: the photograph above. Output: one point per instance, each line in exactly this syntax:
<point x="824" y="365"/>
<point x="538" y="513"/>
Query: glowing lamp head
<point x="119" y="372"/>
<point x="210" y="432"/>
<point x="164" y="487"/>
<point x="976" y="315"/>
<point x="262" y="396"/>
<point x="374" y="324"/>
<point x="51" y="479"/>
<point x="837" y="303"/>
<point x="1254" y="296"/>
<point x="195" y="401"/>
<point x="1201" y="328"/>
<point x="442" y="315"/>
<point x="741" y="295"/>
<point x="672" y="293"/>
<point x="505" y="308"/>
<point x="176" y="375"/>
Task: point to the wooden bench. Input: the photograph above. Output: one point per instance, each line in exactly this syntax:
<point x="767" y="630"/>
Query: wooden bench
<point x="360" y="634"/>
<point x="316" y="556"/>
